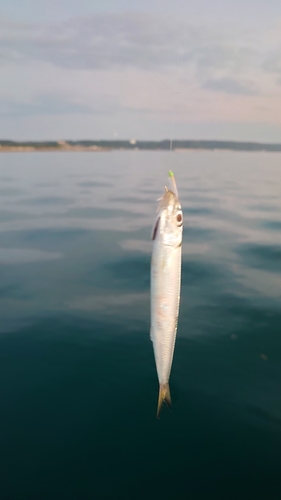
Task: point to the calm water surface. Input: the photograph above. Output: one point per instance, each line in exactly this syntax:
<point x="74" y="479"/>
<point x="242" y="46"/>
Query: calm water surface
<point x="78" y="388"/>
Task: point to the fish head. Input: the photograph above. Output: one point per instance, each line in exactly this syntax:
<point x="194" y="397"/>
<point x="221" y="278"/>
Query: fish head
<point x="169" y="220"/>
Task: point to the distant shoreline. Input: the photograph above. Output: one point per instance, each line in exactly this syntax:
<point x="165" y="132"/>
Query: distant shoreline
<point x="98" y="146"/>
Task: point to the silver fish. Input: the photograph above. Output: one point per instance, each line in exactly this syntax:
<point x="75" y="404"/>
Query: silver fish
<point x="165" y="285"/>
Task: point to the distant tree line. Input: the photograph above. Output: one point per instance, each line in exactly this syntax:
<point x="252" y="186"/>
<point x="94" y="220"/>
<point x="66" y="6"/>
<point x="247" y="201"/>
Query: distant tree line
<point x="144" y="145"/>
<point x="29" y="144"/>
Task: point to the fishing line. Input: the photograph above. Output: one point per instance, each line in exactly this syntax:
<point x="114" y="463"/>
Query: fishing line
<point x="176" y="92"/>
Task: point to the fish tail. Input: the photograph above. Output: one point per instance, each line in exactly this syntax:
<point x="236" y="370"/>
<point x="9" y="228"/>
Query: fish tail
<point x="164" y="395"/>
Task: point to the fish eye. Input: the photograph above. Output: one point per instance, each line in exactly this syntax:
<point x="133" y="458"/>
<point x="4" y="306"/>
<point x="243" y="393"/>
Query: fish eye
<point x="179" y="218"/>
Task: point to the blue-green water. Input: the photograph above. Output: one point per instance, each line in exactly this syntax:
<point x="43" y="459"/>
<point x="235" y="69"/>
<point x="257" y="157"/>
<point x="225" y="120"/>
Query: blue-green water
<point x="78" y="390"/>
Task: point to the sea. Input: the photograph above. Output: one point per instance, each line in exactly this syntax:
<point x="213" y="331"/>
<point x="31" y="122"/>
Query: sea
<point x="78" y="384"/>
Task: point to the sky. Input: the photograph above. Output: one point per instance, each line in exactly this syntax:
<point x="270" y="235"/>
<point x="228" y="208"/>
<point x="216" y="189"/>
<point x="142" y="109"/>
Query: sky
<point x="149" y="70"/>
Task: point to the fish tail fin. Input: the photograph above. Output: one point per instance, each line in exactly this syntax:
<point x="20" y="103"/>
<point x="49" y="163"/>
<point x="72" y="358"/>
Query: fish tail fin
<point x="164" y="395"/>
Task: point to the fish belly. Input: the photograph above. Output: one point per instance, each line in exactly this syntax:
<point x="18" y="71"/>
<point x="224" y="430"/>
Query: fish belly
<point x="165" y="295"/>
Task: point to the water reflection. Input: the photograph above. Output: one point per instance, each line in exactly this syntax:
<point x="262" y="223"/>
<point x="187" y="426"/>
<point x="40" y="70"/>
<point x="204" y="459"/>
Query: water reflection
<point x="261" y="256"/>
<point x="21" y="255"/>
<point x="275" y="225"/>
<point x="76" y="359"/>
<point x="47" y="215"/>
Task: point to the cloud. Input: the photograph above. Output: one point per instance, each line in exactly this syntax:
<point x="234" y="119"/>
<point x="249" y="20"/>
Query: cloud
<point x="139" y="40"/>
<point x="42" y="105"/>
<point x="272" y="62"/>
<point x="133" y="68"/>
<point x="229" y="86"/>
<point x="98" y="42"/>
<point x="219" y="58"/>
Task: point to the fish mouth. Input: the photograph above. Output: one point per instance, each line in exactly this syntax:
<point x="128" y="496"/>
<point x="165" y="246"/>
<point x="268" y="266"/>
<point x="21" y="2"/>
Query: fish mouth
<point x="168" y="199"/>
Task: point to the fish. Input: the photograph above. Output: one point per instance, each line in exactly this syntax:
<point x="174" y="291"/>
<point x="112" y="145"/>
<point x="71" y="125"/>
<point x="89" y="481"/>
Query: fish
<point x="165" y="284"/>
